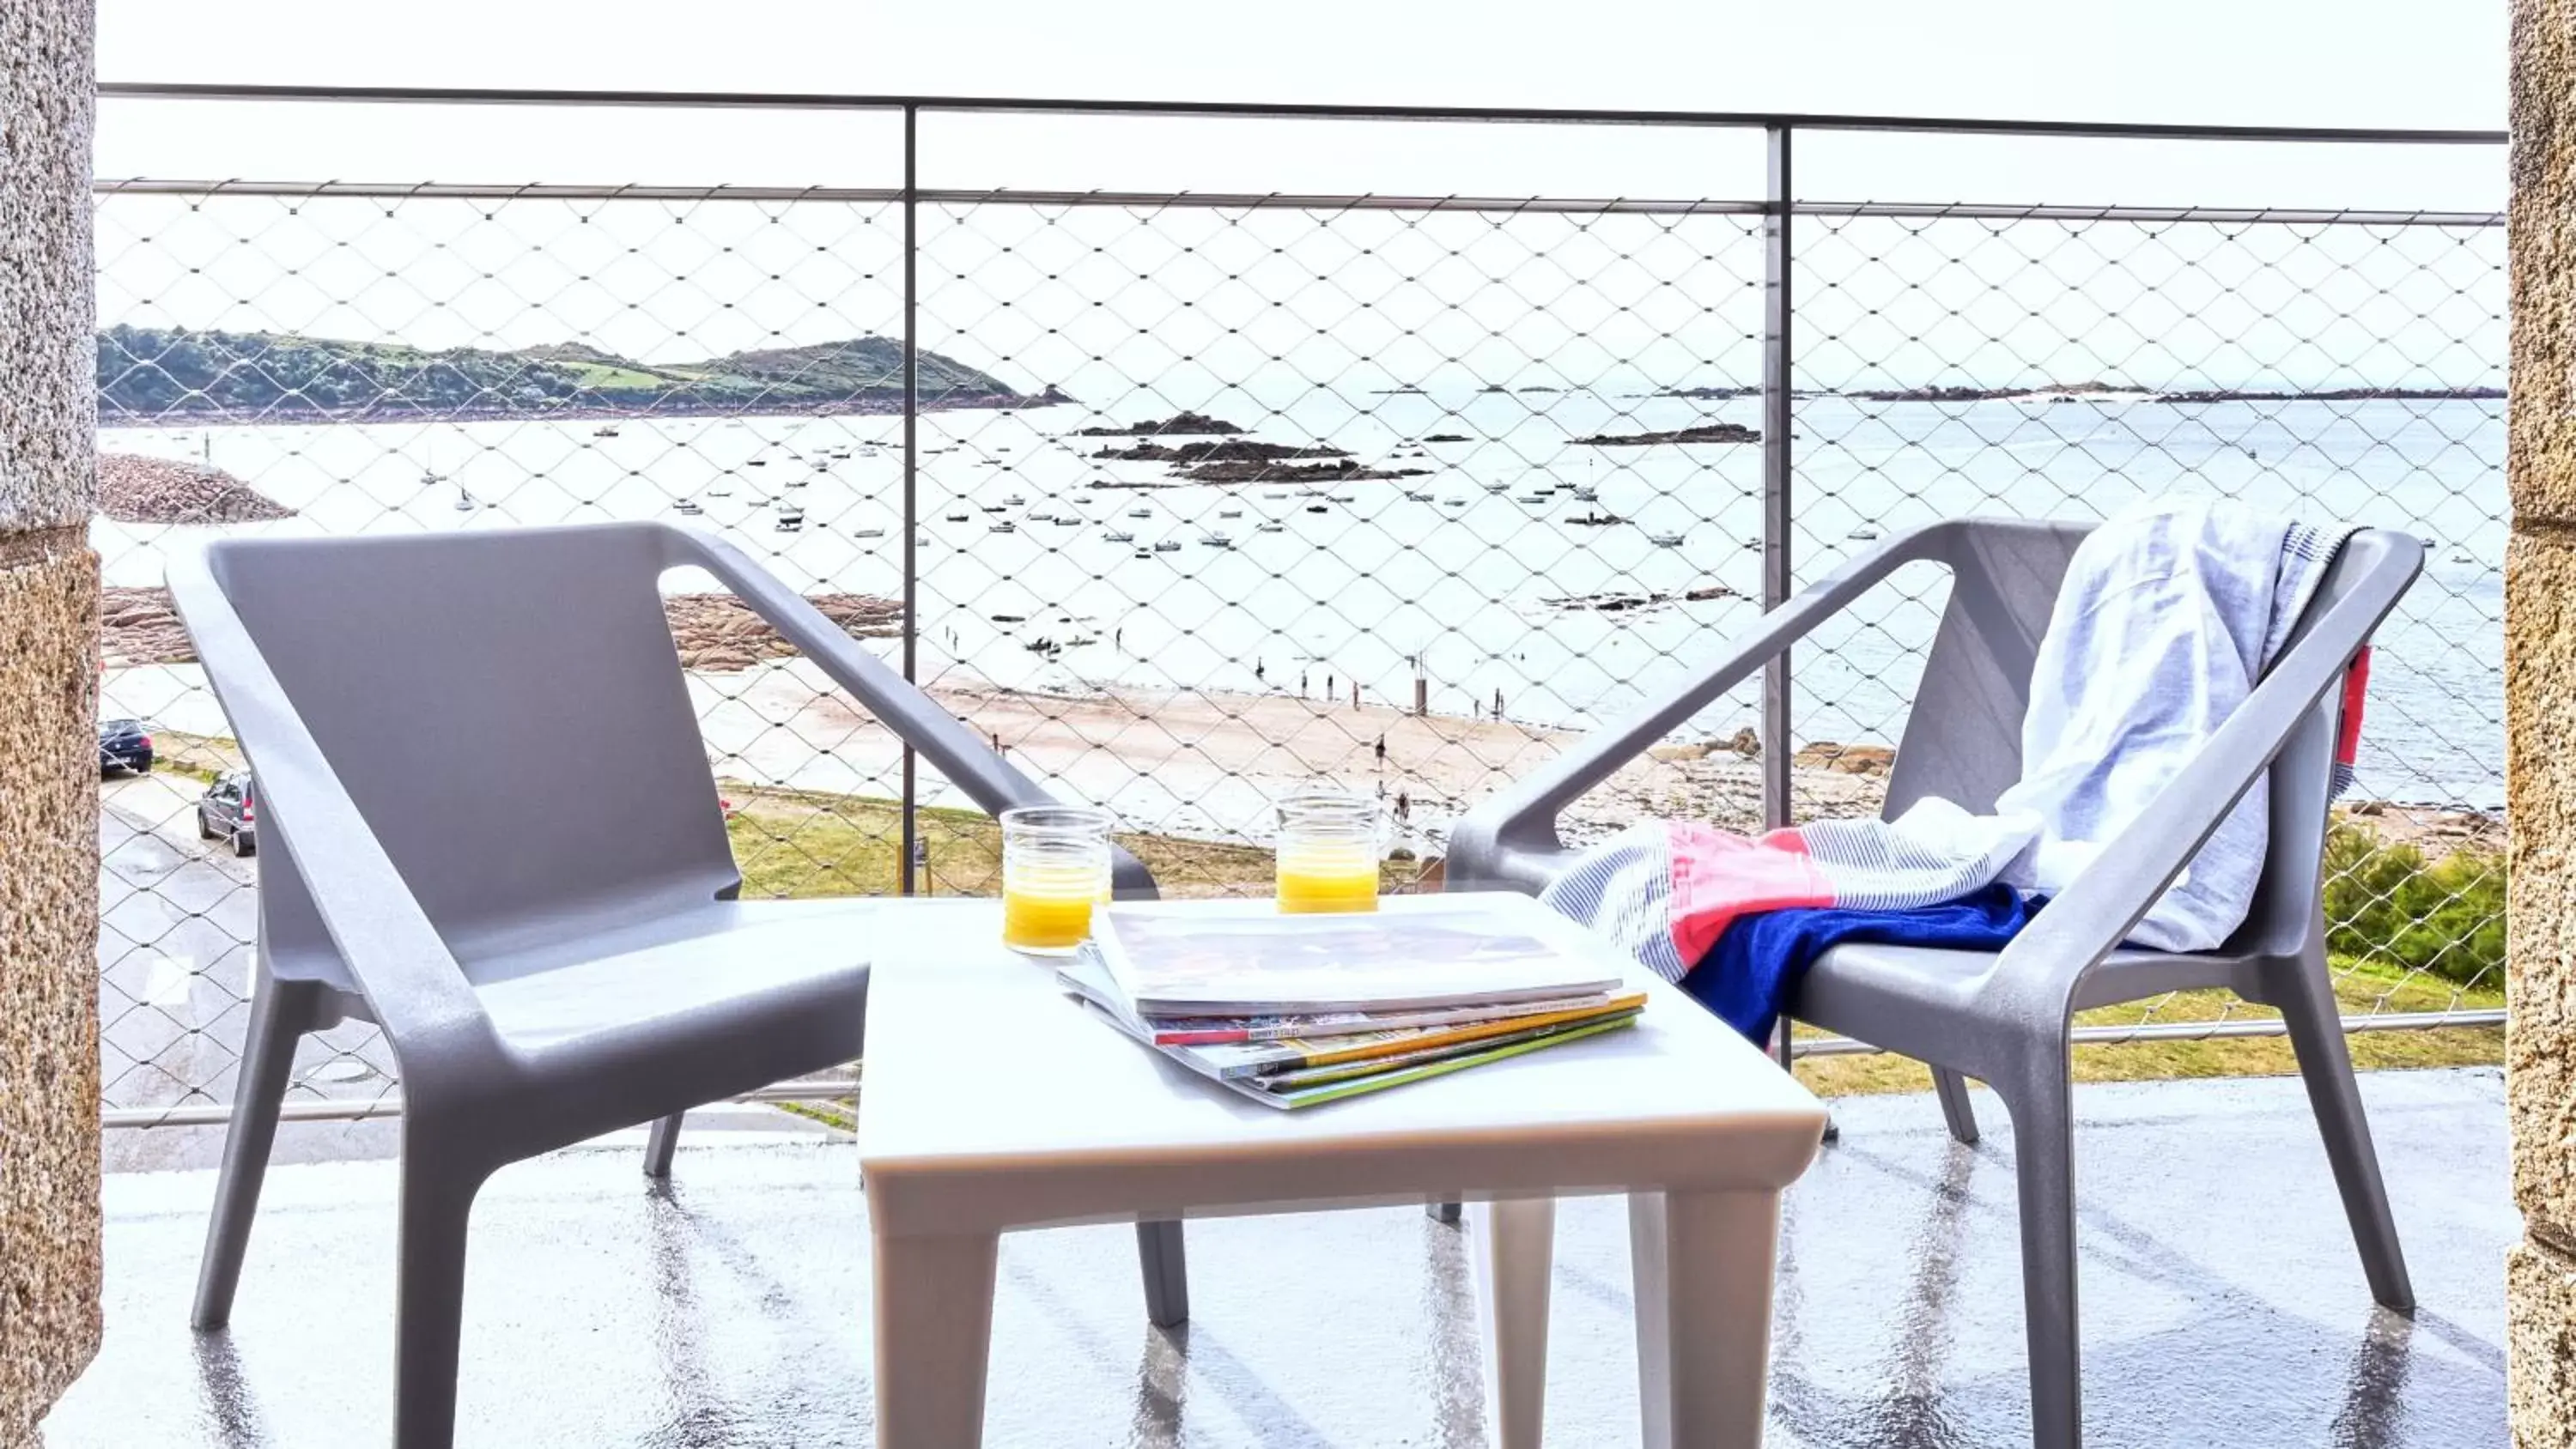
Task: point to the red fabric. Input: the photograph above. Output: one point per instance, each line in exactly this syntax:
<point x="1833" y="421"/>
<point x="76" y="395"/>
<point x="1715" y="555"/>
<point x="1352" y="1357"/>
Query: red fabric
<point x="2356" y="683"/>
<point x="1719" y="875"/>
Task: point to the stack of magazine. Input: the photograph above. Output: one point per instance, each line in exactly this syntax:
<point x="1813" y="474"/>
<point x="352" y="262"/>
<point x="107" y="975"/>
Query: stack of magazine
<point x="1295" y="1011"/>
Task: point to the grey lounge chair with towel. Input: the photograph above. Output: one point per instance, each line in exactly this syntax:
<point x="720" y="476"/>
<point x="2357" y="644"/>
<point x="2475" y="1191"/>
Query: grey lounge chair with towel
<point x="489" y="828"/>
<point x="2004" y="1017"/>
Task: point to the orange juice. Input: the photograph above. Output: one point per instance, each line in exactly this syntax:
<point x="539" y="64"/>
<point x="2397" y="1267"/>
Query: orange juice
<point x="1046" y="920"/>
<point x="1055" y="867"/>
<point x="1317" y="880"/>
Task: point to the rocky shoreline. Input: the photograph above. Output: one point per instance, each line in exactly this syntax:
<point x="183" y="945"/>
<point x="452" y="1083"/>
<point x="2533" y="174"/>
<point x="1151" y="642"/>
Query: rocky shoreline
<point x="716" y="633"/>
<point x="134" y="489"/>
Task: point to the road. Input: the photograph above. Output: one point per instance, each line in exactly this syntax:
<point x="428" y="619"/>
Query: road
<point x="177" y="916"/>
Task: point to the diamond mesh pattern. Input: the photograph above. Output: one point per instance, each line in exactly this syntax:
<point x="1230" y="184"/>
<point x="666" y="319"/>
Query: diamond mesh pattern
<point x="1415" y="568"/>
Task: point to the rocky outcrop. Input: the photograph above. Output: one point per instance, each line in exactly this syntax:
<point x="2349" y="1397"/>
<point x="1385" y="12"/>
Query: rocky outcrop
<point x="1181" y="423"/>
<point x="717" y="633"/>
<point x="1704" y="433"/>
<point x="1233" y="450"/>
<point x="1343" y="470"/>
<point x="162" y="490"/>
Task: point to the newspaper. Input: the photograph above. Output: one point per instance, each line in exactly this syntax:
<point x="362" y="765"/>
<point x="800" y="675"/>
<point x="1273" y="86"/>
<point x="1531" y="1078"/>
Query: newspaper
<point x="1235" y="959"/>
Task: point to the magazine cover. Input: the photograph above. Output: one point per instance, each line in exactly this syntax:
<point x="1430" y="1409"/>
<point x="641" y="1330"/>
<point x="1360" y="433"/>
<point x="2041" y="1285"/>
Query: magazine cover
<point x="1333" y="1091"/>
<point x="1088" y="978"/>
<point x="1192" y="959"/>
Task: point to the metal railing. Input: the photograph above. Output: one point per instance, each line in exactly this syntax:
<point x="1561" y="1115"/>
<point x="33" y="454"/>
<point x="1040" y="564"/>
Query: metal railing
<point x="1438" y="546"/>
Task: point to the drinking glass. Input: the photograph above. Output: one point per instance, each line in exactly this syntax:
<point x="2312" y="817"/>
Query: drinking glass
<point x="1328" y="851"/>
<point x="1055" y="867"/>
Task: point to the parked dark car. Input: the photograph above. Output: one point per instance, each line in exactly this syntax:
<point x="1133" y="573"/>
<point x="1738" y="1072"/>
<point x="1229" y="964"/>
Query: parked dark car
<point x="123" y="744"/>
<point x="224" y="812"/>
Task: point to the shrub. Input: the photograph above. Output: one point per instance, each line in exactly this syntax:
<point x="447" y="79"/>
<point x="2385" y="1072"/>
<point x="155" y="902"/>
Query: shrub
<point x="2387" y="903"/>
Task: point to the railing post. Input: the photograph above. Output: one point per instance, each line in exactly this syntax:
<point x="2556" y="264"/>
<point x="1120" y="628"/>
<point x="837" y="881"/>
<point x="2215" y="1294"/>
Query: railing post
<point x="911" y="471"/>
<point x="1776" y="417"/>
<point x="1777" y="214"/>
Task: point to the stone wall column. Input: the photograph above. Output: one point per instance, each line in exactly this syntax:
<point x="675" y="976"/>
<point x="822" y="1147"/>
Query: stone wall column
<point x="49" y="1088"/>
<point x="2540" y="720"/>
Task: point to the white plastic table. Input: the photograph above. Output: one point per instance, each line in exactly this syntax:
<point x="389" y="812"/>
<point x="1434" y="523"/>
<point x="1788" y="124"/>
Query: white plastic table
<point x="1689" y="1120"/>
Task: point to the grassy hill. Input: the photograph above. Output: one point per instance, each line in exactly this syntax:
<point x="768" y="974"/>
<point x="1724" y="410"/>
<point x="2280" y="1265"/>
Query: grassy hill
<point x="149" y="374"/>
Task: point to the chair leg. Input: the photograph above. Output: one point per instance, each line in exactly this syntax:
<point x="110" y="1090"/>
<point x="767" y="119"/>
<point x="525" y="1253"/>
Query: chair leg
<point x="429" y="1298"/>
<point x="1163" y="1256"/>
<point x="660" y="1143"/>
<point x="2042" y="1111"/>
<point x="1956" y="1109"/>
<point x="2307" y="1004"/>
<point x="277" y="1016"/>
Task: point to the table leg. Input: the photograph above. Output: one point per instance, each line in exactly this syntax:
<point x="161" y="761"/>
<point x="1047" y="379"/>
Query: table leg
<point x="1703" y="1284"/>
<point x="934" y="1328"/>
<point x="1513" y="1245"/>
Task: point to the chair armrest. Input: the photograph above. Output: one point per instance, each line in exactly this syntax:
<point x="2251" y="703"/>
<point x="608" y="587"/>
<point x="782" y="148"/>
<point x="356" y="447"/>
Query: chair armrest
<point x="993" y="783"/>
<point x="1510" y="840"/>
<point x="412" y="982"/>
<point x="2033" y="981"/>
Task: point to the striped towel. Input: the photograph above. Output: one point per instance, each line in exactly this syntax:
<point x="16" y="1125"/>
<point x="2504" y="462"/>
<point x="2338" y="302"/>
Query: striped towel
<point x="2169" y="614"/>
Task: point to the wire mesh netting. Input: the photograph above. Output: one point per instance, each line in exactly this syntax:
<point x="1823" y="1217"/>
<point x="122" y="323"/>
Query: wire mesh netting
<point x="1214" y="499"/>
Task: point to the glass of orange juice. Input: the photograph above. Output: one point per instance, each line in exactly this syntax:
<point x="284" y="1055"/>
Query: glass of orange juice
<point x="1328" y="851"/>
<point x="1055" y="868"/>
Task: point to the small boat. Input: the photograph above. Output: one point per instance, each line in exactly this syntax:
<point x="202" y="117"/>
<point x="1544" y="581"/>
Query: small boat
<point x="992" y="508"/>
<point x="869" y="533"/>
<point x="1122" y="536"/>
<point x="2462" y="555"/>
<point x="426" y="479"/>
<point x="1344" y="497"/>
<point x="790" y="523"/>
<point x="464" y="501"/>
<point x="1665" y="540"/>
<point x="1273" y="526"/>
<point x="959" y="517"/>
<point x="798" y="482"/>
<point x="788" y="514"/>
<point x="1014" y="501"/>
<point x="1498" y="487"/>
<point x="687" y="508"/>
<point x="1169" y="545"/>
<point x="1216" y="540"/>
<point x="1067" y="520"/>
<point x="1144" y="553"/>
<point x="1276" y="493"/>
<point x="822" y="465"/>
<point x="1453" y="502"/>
<point x="1229" y="513"/>
<point x="1864" y="533"/>
<point x="1531" y="498"/>
<point x="719" y="491"/>
<point x="1006" y="528"/>
<point x="1140" y="513"/>
<point x="1583" y="494"/>
<point x="1317" y="508"/>
<point x="603" y="432"/>
<point x="757" y="463"/>
<point x="1413" y="497"/>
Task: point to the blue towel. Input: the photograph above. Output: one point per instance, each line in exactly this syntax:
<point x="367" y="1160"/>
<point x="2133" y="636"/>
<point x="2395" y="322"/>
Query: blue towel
<point x="1759" y="957"/>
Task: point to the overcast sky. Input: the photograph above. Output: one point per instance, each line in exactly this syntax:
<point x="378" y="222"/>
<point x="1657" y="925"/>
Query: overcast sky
<point x="2428" y="63"/>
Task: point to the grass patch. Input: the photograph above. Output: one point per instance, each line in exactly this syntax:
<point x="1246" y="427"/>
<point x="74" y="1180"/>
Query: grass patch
<point x="2362" y="987"/>
<point x="793" y="843"/>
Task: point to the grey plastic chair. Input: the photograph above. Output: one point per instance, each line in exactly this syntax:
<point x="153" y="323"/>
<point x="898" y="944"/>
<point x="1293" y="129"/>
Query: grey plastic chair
<point x="2004" y="1017"/>
<point x="489" y="828"/>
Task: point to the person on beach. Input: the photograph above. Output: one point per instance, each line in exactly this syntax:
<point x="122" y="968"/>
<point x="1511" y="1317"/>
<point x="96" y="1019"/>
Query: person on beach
<point x="1498" y="706"/>
<point x="1403" y="807"/>
<point x="1381" y="752"/>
